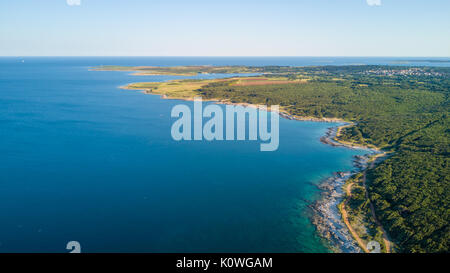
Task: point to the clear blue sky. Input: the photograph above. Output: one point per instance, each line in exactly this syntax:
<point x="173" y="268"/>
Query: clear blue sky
<point x="225" y="28"/>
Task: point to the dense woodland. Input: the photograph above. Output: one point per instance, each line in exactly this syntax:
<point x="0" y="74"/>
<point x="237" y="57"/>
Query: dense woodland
<point x="400" y="109"/>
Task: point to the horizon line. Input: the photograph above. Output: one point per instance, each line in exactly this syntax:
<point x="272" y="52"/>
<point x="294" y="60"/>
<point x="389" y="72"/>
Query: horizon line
<point x="219" y="56"/>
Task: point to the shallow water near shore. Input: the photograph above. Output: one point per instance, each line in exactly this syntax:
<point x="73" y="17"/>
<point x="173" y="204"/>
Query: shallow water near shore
<point x="84" y="160"/>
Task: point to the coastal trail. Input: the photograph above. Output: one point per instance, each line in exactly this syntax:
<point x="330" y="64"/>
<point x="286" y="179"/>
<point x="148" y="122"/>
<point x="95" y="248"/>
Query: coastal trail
<point x="344" y="212"/>
<point x="347" y="222"/>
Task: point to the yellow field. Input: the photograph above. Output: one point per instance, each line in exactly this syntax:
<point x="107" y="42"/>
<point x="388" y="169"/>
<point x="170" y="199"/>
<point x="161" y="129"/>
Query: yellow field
<point x="187" y="89"/>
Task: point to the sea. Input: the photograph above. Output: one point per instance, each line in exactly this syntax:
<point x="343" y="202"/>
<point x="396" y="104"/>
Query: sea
<point x="83" y="160"/>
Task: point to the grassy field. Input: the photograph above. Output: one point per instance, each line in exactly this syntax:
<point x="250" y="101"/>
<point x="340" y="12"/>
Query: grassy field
<point x="187" y="89"/>
<point x="177" y="89"/>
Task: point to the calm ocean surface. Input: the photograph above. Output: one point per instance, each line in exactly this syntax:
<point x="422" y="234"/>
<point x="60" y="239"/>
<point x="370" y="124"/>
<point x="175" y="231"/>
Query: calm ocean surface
<point x="83" y="160"/>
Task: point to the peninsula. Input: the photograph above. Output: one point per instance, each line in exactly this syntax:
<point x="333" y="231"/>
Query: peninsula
<point x="180" y="70"/>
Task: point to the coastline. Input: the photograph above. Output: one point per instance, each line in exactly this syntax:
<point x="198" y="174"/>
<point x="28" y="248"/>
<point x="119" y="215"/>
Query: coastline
<point x="282" y="112"/>
<point x="330" y="217"/>
<point x="327" y="217"/>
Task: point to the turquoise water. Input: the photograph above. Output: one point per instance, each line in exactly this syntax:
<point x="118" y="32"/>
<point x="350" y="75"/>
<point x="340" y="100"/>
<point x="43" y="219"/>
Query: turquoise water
<point x="83" y="160"/>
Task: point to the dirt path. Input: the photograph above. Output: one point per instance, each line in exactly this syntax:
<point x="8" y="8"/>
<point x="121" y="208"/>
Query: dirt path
<point x="344" y="213"/>
<point x="347" y="222"/>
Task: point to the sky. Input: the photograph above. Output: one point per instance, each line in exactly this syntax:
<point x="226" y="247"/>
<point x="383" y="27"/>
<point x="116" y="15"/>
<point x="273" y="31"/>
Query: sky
<point x="225" y="28"/>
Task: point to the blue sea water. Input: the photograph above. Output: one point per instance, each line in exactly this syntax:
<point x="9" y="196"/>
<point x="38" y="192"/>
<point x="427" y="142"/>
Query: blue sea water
<point x="83" y="160"/>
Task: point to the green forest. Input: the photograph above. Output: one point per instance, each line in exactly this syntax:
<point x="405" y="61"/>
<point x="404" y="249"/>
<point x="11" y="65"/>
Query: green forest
<point x="404" y="110"/>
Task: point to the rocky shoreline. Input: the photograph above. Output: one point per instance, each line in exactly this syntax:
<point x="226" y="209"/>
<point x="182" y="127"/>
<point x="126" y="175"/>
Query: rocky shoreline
<point x="327" y="217"/>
